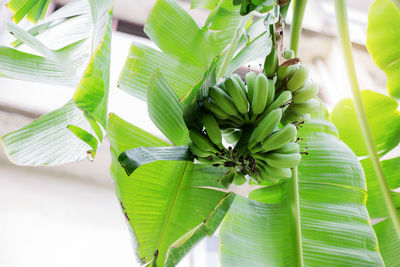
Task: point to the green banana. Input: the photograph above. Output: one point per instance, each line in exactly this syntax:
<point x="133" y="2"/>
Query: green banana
<point x="218" y="112"/>
<point x="222" y="86"/>
<point x="240" y="82"/>
<point x="308" y="91"/>
<point x="290" y="116"/>
<point x="284" y="71"/>
<point x="289" y="148"/>
<point x="198" y="151"/>
<point x="223" y="101"/>
<point x="298" y="79"/>
<point x="202" y="141"/>
<point x="283" y="99"/>
<point x="213" y="130"/>
<point x="271" y="92"/>
<point x="239" y="178"/>
<point x="306" y="107"/>
<point x="260" y="94"/>
<point x="283" y="173"/>
<point x="280" y="138"/>
<point x="266" y="126"/>
<point x="264" y="175"/>
<point x="238" y="96"/>
<point x="283" y="160"/>
<point x="271" y="63"/>
<point x="251" y="84"/>
<point x="232" y="137"/>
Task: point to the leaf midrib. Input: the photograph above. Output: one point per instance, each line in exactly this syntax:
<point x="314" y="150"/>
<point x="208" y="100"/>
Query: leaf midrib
<point x="171" y="206"/>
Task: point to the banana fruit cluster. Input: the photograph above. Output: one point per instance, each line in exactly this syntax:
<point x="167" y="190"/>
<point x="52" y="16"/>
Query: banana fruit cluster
<point x="251" y="126"/>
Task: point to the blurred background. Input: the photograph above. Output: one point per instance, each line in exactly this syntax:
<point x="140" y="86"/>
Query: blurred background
<point x="69" y="215"/>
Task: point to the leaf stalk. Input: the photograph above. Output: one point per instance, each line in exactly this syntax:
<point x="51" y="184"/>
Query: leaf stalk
<point x="344" y="36"/>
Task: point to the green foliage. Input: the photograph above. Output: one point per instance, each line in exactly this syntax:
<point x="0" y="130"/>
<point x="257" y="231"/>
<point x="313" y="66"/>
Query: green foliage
<point x="34" y="9"/>
<point x="334" y="223"/>
<point x="383" y="38"/>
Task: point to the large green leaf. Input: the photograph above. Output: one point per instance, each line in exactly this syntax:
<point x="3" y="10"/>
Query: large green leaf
<point x="162" y="200"/>
<point x="332" y="223"/>
<point x="47" y="140"/>
<point x="34" y="9"/>
<point x="384" y="120"/>
<point x="383" y="117"/>
<point x="56" y="66"/>
<point x="166" y="111"/>
<point x="383" y="38"/>
<point x="178" y="36"/>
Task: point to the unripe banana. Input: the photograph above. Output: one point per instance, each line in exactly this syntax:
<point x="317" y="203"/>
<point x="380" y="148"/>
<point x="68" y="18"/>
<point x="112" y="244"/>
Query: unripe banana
<point x="289" y="148"/>
<point x="198" y="151"/>
<point x="238" y="96"/>
<point x="239" y="178"/>
<point x="212" y="129"/>
<point x="308" y="91"/>
<point x="223" y="101"/>
<point x="240" y="82"/>
<point x="218" y="112"/>
<point x="271" y="63"/>
<point x="283" y="99"/>
<point x="284" y="71"/>
<point x="260" y="94"/>
<point x="306" y="107"/>
<point x="232" y="137"/>
<point x="265" y="127"/>
<point x="298" y="79"/>
<point x="201" y="141"/>
<point x="280" y="138"/>
<point x="283" y="173"/>
<point x="251" y="85"/>
<point x="290" y="116"/>
<point x="265" y="176"/>
<point x="271" y="92"/>
<point x="222" y="86"/>
<point x="283" y="160"/>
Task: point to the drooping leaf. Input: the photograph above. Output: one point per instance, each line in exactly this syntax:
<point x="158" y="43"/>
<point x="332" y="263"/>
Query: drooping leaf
<point x="92" y="93"/>
<point x="34" y="9"/>
<point x="47" y="140"/>
<point x="132" y="159"/>
<point x="207" y="228"/>
<point x="63" y="65"/>
<point x="86" y="137"/>
<point x="165" y="110"/>
<point x="383" y="40"/>
<point x="177" y="35"/>
<point x="333" y="223"/>
<point x="163" y="200"/>
<point x="383" y="117"/>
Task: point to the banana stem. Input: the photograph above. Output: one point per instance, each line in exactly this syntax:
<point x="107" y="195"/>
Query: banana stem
<point x="342" y="22"/>
<point x="295" y="31"/>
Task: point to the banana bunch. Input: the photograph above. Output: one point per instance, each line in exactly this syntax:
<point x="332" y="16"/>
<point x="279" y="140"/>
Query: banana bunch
<point x="251" y="126"/>
<point x="295" y="79"/>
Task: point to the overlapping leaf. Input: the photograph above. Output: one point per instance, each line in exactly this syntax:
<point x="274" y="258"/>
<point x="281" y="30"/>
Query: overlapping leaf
<point x="57" y="66"/>
<point x="163" y="200"/>
<point x="384" y="120"/>
<point x="333" y="220"/>
<point x="33" y="9"/>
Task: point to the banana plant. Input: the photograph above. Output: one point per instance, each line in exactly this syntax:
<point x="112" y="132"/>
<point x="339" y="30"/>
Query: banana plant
<point x="176" y="191"/>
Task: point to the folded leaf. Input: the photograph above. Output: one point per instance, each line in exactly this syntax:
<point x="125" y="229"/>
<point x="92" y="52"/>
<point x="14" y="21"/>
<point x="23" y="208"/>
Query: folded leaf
<point x="35" y="9"/>
<point x="132" y="159"/>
